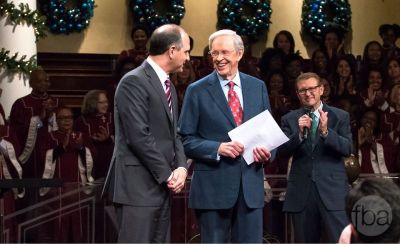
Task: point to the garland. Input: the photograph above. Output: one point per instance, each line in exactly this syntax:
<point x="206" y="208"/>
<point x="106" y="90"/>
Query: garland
<point x="64" y="21"/>
<point x="317" y="15"/>
<point x="145" y="12"/>
<point x="246" y="17"/>
<point x="15" y="65"/>
<point x="22" y="14"/>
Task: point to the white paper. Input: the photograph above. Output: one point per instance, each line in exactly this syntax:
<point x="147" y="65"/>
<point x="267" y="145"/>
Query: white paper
<point x="260" y="131"/>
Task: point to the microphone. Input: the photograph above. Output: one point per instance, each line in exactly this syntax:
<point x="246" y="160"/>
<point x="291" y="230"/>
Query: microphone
<point x="306" y="130"/>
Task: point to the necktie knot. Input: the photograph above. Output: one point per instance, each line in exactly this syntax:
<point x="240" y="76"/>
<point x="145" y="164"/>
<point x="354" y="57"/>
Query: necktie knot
<point x="167" y="83"/>
<point x="231" y="85"/>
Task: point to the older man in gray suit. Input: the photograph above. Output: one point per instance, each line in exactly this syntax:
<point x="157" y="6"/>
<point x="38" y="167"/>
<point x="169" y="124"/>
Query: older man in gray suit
<point x="148" y="160"/>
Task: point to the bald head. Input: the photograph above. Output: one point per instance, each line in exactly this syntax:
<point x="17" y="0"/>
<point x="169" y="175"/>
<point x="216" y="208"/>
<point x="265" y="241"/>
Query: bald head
<point x="164" y="37"/>
<point x="39" y="81"/>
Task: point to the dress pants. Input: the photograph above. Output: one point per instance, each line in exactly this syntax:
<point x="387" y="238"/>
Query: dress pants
<point x="239" y="224"/>
<point x="308" y="223"/>
<point x="142" y="224"/>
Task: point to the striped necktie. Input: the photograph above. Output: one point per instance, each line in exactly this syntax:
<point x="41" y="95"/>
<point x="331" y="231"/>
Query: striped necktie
<point x="168" y="94"/>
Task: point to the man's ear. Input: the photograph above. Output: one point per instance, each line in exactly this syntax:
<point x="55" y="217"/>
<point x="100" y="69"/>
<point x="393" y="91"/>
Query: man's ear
<point x="171" y="51"/>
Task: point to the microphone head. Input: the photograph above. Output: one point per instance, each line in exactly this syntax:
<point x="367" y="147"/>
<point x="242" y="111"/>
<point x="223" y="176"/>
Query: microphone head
<point x="307" y="110"/>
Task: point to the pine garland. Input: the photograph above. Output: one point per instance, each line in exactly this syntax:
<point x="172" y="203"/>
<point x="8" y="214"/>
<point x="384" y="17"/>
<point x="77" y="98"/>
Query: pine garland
<point x="23" y="14"/>
<point x="14" y="64"/>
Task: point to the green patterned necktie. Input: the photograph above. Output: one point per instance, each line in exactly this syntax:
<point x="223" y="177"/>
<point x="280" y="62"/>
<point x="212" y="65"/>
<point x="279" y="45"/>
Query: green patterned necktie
<point x="314" y="125"/>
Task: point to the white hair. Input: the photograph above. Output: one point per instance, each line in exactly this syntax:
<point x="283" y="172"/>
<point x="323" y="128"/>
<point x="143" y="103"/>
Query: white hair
<point x="237" y="40"/>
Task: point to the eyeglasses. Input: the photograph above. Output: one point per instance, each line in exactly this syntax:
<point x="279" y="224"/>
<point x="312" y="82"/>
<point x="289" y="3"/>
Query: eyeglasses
<point x="224" y="53"/>
<point x="102" y="102"/>
<point x="310" y="89"/>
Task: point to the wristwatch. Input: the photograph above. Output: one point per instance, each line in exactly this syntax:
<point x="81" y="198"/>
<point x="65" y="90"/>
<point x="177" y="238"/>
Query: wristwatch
<point x="324" y="133"/>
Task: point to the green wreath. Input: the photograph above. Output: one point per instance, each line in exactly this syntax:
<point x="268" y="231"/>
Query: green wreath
<point x="317" y="15"/>
<point x="246" y="17"/>
<point x="61" y="20"/>
<point x="155" y="13"/>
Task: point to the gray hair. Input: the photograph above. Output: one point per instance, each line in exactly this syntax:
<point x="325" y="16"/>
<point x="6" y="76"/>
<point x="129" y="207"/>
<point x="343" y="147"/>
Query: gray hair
<point x="237" y="40"/>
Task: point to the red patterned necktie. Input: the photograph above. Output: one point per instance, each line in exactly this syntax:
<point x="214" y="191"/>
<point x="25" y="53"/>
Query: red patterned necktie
<point x="168" y="93"/>
<point x="234" y="104"/>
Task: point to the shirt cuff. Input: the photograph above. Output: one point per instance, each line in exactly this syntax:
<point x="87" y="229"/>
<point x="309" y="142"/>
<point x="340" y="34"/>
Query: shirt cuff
<point x="183" y="169"/>
<point x="324" y="134"/>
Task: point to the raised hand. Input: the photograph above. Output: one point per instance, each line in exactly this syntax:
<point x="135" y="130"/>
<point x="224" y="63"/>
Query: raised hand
<point x="47" y="108"/>
<point x="102" y="135"/>
<point x="304" y="122"/>
<point x="323" y="120"/>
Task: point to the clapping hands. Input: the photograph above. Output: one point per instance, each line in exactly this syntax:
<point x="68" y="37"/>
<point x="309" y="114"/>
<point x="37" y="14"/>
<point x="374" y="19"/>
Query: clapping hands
<point x="102" y="135"/>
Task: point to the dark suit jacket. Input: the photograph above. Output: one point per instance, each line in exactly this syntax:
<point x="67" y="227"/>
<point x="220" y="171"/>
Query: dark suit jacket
<point x="322" y="164"/>
<point x="204" y="124"/>
<point x="147" y="146"/>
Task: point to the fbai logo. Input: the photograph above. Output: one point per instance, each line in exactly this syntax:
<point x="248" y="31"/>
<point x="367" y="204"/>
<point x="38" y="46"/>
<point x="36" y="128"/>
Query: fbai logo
<point x="371" y="215"/>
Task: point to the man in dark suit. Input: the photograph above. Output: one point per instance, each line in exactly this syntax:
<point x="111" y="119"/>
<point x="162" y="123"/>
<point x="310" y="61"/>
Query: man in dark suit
<point x="320" y="138"/>
<point x="148" y="160"/>
<point x="226" y="193"/>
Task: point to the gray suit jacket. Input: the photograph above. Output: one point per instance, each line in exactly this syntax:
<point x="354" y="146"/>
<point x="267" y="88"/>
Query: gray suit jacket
<point x="147" y="147"/>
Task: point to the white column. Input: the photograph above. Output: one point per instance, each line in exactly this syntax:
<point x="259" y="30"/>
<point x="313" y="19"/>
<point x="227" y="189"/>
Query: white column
<point x="20" y="39"/>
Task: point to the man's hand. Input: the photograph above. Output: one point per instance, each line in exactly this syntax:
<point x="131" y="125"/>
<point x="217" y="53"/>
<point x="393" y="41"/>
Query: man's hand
<point x="261" y="155"/>
<point x="323" y="121"/>
<point x="361" y="136"/>
<point x="230" y="149"/>
<point x="178" y="180"/>
<point x="47" y="109"/>
<point x="304" y="122"/>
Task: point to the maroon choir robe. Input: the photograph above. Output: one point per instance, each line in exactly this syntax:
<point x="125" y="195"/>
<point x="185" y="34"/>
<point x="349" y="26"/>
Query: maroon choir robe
<point x="24" y="118"/>
<point x="2" y="116"/>
<point x="390" y="124"/>
<point x="73" y="165"/>
<point x="90" y="125"/>
<point x="380" y="162"/>
<point x="10" y="169"/>
<point x="137" y="56"/>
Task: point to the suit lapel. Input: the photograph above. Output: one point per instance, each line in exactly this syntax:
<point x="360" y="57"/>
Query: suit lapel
<point x="218" y="95"/>
<point x="247" y="97"/>
<point x="155" y="82"/>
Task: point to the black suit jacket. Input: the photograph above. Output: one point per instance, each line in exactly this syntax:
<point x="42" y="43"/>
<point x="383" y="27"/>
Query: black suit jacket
<point x="147" y="147"/>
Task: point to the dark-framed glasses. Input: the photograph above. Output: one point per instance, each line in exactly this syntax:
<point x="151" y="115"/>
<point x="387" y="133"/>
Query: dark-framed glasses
<point x="310" y="89"/>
